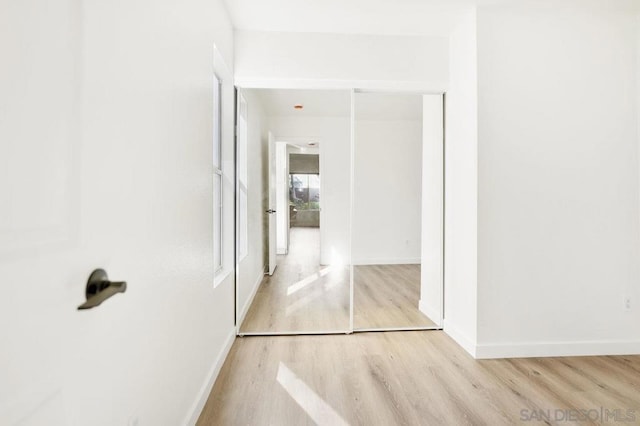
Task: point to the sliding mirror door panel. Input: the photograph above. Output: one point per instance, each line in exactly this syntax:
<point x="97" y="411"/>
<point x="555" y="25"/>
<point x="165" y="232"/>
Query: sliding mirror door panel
<point x="306" y="289"/>
<point x="387" y="217"/>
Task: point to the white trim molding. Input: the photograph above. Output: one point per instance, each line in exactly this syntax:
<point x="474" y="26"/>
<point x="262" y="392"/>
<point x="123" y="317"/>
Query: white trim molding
<point x="541" y="349"/>
<point x="424" y="87"/>
<point x="549" y="349"/>
<point x="460" y="338"/>
<point x="252" y="295"/>
<point x="386" y="261"/>
<point x="207" y="386"/>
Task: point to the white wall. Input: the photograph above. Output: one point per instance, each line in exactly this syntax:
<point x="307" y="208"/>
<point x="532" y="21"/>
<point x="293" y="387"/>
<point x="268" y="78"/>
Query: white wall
<point x="461" y="186"/>
<point x="387" y="191"/>
<point x="273" y="59"/>
<point x="334" y="136"/>
<point x="432" y="212"/>
<point x="558" y="241"/>
<point x="125" y="185"/>
<point x="252" y="267"/>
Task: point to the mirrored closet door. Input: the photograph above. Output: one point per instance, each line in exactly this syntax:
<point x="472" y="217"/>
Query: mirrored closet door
<point x="294" y="278"/>
<point x="397" y="211"/>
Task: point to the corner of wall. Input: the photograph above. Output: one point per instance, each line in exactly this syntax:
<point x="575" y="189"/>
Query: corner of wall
<point x="430" y="311"/>
<point x="455" y="332"/>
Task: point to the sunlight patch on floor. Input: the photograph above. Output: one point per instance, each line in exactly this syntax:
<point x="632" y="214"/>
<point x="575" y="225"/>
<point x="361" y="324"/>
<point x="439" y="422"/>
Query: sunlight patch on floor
<point x="317" y="408"/>
<point x="317" y="293"/>
<point x="301" y="303"/>
<point x="306" y="281"/>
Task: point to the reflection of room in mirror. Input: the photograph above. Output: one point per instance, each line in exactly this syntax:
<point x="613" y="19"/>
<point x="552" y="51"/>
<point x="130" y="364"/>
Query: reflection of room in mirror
<point x="346" y="194"/>
<point x="390" y="131"/>
<point x="301" y="295"/>
<point x="309" y="290"/>
<point x="387" y="296"/>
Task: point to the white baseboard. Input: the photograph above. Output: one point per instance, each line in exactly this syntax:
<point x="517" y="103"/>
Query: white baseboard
<point x="203" y="395"/>
<point x="252" y="295"/>
<point x="541" y="349"/>
<point x="430" y="311"/>
<point x="460" y="338"/>
<point x="548" y="349"/>
<point x="387" y="261"/>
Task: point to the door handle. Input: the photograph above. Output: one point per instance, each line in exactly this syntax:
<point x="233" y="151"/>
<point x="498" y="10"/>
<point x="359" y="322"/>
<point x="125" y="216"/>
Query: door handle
<point x="270" y="211"/>
<point x="99" y="289"/>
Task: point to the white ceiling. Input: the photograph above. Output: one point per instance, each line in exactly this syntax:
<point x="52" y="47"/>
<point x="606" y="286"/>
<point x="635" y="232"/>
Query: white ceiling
<point x="385" y="17"/>
<point x="302" y="147"/>
<point x="337" y="103"/>
<point x="317" y="103"/>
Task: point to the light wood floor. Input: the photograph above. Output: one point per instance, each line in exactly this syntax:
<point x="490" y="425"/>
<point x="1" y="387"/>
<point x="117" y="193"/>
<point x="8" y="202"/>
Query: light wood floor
<point x="407" y="378"/>
<point x="302" y="295"/>
<point x="387" y="296"/>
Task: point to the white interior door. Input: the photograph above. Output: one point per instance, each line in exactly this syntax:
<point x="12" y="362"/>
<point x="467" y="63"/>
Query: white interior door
<point x="271" y="211"/>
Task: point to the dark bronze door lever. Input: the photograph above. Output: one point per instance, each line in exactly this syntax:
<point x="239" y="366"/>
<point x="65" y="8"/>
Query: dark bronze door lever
<point x="99" y="289"/>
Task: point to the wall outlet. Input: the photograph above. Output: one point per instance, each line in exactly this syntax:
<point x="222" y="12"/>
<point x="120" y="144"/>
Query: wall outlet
<point x="627" y="303"/>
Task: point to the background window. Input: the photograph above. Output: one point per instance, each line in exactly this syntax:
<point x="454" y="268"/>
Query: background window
<point x="304" y="191"/>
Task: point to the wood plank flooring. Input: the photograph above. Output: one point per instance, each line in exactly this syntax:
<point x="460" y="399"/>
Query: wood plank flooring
<point x="302" y="295"/>
<point x="411" y="378"/>
<point x="387" y="296"/>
